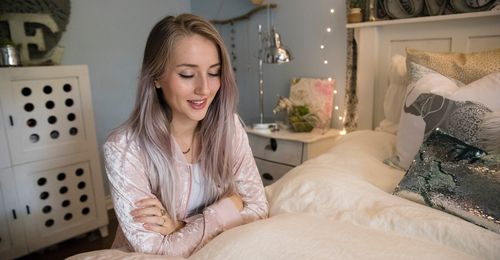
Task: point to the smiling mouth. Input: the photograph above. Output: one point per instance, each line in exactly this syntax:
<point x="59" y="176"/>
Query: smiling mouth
<point x="198" y="104"/>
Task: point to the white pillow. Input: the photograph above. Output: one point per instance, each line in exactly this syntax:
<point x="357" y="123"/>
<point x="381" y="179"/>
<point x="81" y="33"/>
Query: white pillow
<point x="395" y="95"/>
<point x="411" y="129"/>
<point x="485" y="91"/>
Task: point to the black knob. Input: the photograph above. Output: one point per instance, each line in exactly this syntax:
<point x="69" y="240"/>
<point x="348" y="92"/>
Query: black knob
<point x="267" y="176"/>
<point x="273" y="145"/>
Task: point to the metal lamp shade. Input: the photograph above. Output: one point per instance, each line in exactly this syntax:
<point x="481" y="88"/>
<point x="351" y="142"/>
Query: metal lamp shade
<point x="275" y="52"/>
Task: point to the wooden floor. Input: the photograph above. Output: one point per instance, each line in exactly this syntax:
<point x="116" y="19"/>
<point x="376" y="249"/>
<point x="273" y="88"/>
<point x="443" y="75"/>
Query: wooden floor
<point x="84" y="243"/>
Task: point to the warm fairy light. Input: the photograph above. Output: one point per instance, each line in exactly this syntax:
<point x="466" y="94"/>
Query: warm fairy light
<point x="323" y="46"/>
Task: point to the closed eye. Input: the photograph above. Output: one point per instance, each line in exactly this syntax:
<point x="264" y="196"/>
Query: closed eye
<point x="186" y="76"/>
<point x="216" y="74"/>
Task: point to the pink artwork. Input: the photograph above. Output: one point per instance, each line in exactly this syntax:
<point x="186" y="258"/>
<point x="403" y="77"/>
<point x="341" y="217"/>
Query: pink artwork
<point x="317" y="94"/>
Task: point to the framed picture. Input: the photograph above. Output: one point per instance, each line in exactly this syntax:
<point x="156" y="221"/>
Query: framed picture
<point x="317" y="95"/>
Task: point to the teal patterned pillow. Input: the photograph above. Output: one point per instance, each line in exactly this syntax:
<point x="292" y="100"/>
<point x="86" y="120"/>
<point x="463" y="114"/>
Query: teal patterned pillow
<point x="450" y="175"/>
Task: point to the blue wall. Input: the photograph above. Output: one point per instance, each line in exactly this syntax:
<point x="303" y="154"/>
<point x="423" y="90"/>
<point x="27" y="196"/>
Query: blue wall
<point x="302" y="25"/>
<point x="109" y="36"/>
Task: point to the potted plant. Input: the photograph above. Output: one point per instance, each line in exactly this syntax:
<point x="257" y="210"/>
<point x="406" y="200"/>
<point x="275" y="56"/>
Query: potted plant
<point x="355" y="15"/>
<point x="298" y="116"/>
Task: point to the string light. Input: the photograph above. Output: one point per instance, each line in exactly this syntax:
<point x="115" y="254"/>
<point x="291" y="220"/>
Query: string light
<point x="323" y="47"/>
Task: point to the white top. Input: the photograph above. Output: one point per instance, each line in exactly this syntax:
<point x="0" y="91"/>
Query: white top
<point x="197" y="193"/>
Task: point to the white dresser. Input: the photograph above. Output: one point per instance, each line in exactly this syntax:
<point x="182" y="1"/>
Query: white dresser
<point x="278" y="152"/>
<point x="51" y="186"/>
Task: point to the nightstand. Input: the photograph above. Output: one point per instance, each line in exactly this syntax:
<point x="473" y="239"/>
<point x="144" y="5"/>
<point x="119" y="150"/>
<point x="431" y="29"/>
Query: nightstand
<point x="278" y="152"/>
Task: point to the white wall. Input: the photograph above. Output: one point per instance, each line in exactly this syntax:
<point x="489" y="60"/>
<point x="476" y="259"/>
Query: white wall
<point x="302" y="26"/>
<point x="109" y="36"/>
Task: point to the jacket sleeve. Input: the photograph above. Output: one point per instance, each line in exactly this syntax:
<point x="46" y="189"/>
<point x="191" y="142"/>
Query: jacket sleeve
<point x="248" y="182"/>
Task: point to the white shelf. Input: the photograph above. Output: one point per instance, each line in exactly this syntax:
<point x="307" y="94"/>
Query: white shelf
<point x="424" y="19"/>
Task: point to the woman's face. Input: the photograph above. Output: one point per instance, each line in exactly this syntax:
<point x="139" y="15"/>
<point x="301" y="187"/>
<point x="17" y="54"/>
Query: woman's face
<point x="191" y="79"/>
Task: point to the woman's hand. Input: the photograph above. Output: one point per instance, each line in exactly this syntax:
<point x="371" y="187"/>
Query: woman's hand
<point x="154" y="216"/>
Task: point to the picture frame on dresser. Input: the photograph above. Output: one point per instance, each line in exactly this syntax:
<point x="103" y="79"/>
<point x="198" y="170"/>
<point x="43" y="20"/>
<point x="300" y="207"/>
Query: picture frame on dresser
<point x="51" y="185"/>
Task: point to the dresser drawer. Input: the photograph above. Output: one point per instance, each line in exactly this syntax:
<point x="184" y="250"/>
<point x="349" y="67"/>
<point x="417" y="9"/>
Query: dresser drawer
<point x="276" y="150"/>
<point x="270" y="171"/>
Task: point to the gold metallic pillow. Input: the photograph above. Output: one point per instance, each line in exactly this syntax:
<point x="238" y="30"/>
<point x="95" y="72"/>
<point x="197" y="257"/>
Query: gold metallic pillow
<point x="465" y="67"/>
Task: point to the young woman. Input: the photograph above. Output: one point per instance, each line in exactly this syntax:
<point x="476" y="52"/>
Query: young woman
<point x="180" y="168"/>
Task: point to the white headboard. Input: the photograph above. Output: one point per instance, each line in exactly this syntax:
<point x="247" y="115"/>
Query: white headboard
<point x="379" y="41"/>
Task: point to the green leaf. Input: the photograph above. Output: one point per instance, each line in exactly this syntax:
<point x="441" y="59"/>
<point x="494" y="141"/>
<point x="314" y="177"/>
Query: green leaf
<point x="302" y="110"/>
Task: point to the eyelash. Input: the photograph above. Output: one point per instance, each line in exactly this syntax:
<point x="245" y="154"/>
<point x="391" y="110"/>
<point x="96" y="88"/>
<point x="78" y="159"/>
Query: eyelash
<point x="217" y="74"/>
<point x="191" y="76"/>
<point x="186" y="76"/>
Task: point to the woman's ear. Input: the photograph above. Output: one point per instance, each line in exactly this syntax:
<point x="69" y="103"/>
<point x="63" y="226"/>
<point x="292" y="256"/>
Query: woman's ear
<point x="157" y="84"/>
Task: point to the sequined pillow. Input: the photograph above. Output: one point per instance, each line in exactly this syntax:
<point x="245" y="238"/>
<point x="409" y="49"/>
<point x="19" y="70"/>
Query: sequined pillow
<point x="465" y="67"/>
<point x="450" y="175"/>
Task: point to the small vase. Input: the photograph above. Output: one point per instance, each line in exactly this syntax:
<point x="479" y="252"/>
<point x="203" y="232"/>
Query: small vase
<point x="371" y="6"/>
<point x="355" y="16"/>
<point x="302" y="127"/>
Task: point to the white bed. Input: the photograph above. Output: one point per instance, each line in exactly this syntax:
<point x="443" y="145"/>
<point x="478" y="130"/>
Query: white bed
<point x="340" y="204"/>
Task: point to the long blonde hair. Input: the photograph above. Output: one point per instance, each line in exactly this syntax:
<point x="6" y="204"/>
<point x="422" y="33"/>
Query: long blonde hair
<point x="149" y="122"/>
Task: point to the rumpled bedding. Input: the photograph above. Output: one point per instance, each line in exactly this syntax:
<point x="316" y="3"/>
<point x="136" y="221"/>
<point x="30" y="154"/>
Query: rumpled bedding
<point x="340" y="206"/>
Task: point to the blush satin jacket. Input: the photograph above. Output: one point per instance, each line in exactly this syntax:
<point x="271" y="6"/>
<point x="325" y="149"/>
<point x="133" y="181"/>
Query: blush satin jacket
<point x="129" y="183"/>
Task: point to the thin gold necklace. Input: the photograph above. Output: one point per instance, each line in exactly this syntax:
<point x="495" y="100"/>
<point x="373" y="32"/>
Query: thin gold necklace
<point x="189" y="149"/>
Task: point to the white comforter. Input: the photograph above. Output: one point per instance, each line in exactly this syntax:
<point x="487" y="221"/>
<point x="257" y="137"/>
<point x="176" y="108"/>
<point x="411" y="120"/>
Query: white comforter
<point x="339" y="206"/>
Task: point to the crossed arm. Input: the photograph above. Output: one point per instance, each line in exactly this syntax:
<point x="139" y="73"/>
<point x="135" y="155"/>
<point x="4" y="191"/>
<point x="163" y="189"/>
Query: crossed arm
<point x="153" y="215"/>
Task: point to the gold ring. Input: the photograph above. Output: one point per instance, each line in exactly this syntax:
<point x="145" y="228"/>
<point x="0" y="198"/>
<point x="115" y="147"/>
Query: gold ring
<point x="162" y="213"/>
<point x="163" y="221"/>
